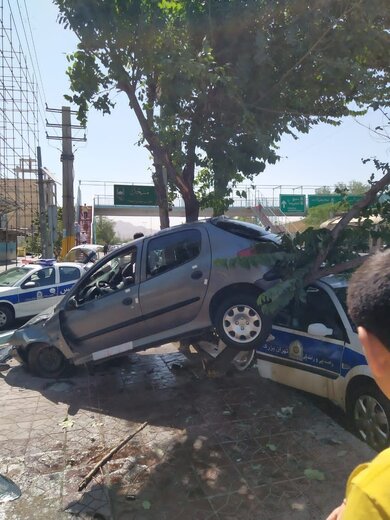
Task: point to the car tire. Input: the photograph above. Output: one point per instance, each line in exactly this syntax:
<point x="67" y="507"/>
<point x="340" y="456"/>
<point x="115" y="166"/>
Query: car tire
<point x="243" y="360"/>
<point x="240" y="322"/>
<point x="369" y="413"/>
<point x="46" y="361"/>
<point x="6" y="317"/>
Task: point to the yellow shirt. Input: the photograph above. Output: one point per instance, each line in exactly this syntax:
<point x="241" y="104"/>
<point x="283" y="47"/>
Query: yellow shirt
<point x="368" y="490"/>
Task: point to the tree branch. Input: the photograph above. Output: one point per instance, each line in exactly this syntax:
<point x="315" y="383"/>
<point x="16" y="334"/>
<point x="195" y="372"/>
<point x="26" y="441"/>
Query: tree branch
<point x="354" y="212"/>
<point x="336" y="269"/>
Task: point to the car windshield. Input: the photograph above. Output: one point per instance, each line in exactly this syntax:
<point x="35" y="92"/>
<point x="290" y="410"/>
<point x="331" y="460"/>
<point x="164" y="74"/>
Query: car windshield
<point x="81" y="255"/>
<point x="12" y="276"/>
<point x="245" y="229"/>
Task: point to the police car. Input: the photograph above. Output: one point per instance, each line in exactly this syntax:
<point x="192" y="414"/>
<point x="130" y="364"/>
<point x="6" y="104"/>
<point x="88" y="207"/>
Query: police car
<point x="30" y="289"/>
<point x="314" y="347"/>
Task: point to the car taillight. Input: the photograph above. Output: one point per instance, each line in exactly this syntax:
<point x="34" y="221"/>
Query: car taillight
<point x="247" y="252"/>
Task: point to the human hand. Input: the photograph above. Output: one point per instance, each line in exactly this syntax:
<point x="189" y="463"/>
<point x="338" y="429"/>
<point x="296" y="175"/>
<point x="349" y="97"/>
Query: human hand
<point x="337" y="513"/>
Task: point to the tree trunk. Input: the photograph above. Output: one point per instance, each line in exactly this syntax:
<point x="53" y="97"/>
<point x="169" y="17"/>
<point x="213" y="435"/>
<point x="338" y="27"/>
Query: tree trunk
<point x="191" y="205"/>
<point x="161" y="192"/>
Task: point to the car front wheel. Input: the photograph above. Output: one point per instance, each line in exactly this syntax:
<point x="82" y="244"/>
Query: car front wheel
<point x="46" y="361"/>
<point x="6" y="317"/>
<point x="240" y="322"/>
<point x="369" y="411"/>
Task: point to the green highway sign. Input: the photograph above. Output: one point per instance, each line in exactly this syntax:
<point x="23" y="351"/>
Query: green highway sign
<point x="318" y="200"/>
<point x="132" y="195"/>
<point x="292" y="204"/>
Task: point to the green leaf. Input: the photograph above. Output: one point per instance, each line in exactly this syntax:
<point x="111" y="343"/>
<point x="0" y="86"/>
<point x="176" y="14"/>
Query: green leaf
<point x="314" y="474"/>
<point x="66" y="423"/>
<point x="146" y="504"/>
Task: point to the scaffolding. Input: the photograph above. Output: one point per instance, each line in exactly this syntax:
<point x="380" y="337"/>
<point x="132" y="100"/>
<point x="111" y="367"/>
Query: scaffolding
<point x="19" y="125"/>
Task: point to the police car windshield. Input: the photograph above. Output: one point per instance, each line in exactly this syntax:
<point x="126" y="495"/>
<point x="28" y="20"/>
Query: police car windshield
<point x="12" y="276"/>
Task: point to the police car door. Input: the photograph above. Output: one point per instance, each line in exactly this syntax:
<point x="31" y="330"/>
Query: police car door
<point x="38" y="292"/>
<point x="294" y="355"/>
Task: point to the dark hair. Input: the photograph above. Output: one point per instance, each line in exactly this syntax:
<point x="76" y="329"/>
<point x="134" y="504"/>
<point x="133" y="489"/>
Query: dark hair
<point x="368" y="296"/>
<point x="138" y="235"/>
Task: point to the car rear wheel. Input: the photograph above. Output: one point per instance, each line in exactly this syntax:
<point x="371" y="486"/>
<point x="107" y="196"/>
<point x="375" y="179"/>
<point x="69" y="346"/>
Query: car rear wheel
<point x="240" y="322"/>
<point x="46" y="361"/>
<point x="369" y="411"/>
<point x="6" y="317"/>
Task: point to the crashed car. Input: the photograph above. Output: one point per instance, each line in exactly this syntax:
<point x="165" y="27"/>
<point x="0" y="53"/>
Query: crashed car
<point x="165" y="287"/>
<point x="29" y="289"/>
<point x="313" y="346"/>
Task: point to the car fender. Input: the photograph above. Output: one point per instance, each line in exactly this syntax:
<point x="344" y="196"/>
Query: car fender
<point x="9" y="301"/>
<point x="340" y="386"/>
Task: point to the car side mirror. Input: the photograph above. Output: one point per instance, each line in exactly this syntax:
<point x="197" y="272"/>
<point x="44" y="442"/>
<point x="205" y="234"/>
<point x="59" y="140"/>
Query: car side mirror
<point x="319" y="329"/>
<point x="71" y="303"/>
<point x="29" y="285"/>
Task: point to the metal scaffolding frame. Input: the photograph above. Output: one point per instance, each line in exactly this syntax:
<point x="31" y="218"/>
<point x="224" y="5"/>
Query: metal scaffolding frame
<point x="19" y="125"/>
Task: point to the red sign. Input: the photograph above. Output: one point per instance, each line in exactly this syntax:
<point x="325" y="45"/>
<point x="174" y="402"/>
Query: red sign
<point x="85" y="224"/>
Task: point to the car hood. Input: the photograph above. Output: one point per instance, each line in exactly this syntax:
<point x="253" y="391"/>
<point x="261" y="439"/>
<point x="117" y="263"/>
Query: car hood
<point x="5" y="291"/>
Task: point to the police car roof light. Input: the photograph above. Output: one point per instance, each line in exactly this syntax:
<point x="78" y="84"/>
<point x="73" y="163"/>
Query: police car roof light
<point x="46" y="262"/>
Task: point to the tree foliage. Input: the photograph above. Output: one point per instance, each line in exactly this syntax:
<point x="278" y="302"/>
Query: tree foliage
<point x="105" y="231"/>
<point x="215" y="84"/>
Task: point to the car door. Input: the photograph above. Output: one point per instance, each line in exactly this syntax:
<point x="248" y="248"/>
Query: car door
<point x="104" y="312"/>
<point x="175" y="278"/>
<point x="294" y="356"/>
<point x="38" y="291"/>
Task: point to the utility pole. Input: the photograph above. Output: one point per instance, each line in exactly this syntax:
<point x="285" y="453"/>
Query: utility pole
<point x="42" y="205"/>
<point x="68" y="211"/>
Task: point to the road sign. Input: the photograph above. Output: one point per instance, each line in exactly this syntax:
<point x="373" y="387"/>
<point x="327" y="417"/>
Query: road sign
<point x="132" y="195"/>
<point x="334" y="198"/>
<point x="317" y="200"/>
<point x="292" y="204"/>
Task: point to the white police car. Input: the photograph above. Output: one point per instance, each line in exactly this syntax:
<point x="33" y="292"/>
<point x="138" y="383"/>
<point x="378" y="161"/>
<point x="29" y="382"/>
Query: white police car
<point x="314" y="347"/>
<point x="32" y="288"/>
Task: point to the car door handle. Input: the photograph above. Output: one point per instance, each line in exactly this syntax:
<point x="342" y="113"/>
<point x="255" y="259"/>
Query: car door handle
<point x="196" y="275"/>
<point x="127" y="301"/>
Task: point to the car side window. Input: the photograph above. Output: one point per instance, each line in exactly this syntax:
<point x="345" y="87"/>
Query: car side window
<point x="169" y="251"/>
<point x="43" y="277"/>
<point x="116" y="274"/>
<point x="319" y="308"/>
<point x="68" y="274"/>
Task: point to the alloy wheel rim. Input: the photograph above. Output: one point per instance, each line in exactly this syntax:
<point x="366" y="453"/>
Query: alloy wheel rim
<point x="242" y="323"/>
<point x="371" y="421"/>
<point x="50" y="359"/>
<point x="3" y="319"/>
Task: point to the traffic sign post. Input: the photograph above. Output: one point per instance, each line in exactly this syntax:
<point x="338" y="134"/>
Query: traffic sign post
<point x="133" y="195"/>
<point x="292" y="204"/>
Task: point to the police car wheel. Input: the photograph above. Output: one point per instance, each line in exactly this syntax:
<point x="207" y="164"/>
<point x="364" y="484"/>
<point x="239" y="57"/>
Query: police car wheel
<point x="243" y="360"/>
<point x="369" y="411"/>
<point x="6" y="317"/>
<point x="240" y="323"/>
<point x="46" y="361"/>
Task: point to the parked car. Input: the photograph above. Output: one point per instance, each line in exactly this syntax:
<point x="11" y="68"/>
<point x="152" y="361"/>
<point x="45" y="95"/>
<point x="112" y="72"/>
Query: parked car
<point x="32" y="288"/>
<point x="314" y="347"/>
<point x="156" y="289"/>
<point x="86" y="254"/>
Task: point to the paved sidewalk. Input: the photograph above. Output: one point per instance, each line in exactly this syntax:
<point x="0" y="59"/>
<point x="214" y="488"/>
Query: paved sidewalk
<point x="236" y="447"/>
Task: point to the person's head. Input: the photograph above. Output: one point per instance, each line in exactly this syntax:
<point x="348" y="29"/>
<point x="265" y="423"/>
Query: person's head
<point x="368" y="303"/>
<point x="138" y="235"/>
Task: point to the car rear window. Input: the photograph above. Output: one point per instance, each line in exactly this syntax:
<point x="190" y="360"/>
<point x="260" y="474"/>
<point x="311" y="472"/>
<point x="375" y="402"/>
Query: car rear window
<point x="244" y="229"/>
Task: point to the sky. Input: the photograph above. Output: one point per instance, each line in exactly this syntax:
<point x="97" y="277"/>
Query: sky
<point x="325" y="156"/>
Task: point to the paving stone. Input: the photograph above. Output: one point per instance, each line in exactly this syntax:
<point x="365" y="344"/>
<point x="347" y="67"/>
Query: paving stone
<point x="229" y="448"/>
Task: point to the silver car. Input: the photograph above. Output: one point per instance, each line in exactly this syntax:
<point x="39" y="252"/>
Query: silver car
<point x="156" y="289"/>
